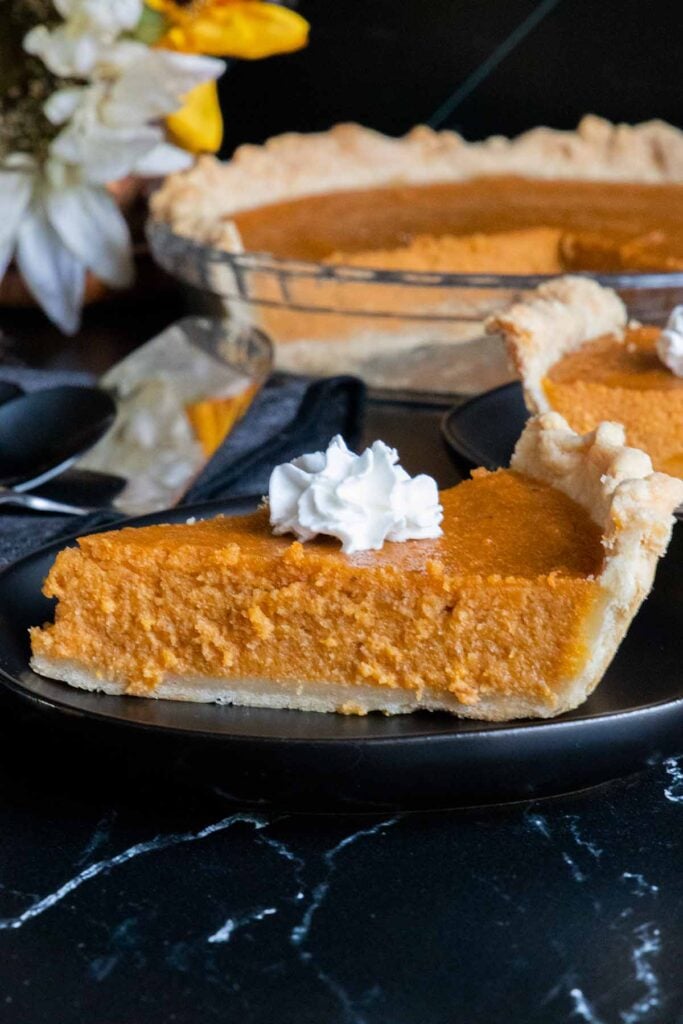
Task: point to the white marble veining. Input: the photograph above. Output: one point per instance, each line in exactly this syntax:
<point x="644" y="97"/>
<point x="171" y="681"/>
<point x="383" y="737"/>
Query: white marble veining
<point x="576" y="872"/>
<point x="540" y="824"/>
<point x="105" y="866"/>
<point x="123" y="939"/>
<point x="647" y="943"/>
<point x="306" y="896"/>
<point x="640" y="887"/>
<point x="98" y="838"/>
<point x="282" y="850"/>
<point x="582" y="1009"/>
<point x="300" y="931"/>
<point x="351" y="1012"/>
<point x="594" y="850"/>
<point x="285" y="922"/>
<point x="102" y="966"/>
<point x="647" y="946"/>
<point x="227" y="930"/>
<point x="674" y="791"/>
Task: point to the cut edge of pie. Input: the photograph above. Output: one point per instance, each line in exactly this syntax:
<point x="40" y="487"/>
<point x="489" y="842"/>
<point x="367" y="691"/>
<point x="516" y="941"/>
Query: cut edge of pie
<point x="558" y="317"/>
<point x="631" y="505"/>
<point x="199" y="203"/>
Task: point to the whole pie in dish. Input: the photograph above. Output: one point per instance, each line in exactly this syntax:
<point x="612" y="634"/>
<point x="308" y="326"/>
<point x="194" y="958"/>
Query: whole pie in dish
<point x="575" y="351"/>
<point x="515" y="611"/>
<point x="336" y="243"/>
<point x="602" y="198"/>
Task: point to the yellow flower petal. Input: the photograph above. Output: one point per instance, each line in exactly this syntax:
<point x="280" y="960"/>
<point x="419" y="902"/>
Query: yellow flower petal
<point x="198" y="125"/>
<point x="247" y="29"/>
<point x="167" y="7"/>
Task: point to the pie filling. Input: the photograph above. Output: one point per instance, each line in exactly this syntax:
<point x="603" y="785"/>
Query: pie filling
<point x="503" y="603"/>
<point x="496" y="224"/>
<point x="622" y="379"/>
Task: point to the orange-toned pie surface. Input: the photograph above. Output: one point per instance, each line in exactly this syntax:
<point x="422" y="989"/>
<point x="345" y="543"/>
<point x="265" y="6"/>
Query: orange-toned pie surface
<point x="622" y="379"/>
<point x="603" y="198"/>
<point x="576" y="353"/>
<point x="496" y="224"/>
<point x="498" y="604"/>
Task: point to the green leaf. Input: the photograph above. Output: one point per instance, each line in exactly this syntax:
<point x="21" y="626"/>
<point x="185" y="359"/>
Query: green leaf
<point x="151" y="26"/>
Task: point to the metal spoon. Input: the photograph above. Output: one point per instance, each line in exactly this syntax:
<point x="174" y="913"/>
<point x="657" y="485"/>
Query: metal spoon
<point x="42" y="433"/>
<point x="38" y="504"/>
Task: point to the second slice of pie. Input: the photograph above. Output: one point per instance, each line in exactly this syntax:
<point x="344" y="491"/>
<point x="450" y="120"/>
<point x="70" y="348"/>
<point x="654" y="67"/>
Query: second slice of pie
<point x="575" y="351"/>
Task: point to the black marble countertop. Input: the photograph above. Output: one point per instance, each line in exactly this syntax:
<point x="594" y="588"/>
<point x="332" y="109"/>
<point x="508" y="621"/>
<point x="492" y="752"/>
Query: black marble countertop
<point x="129" y="894"/>
<point x="127" y="897"/>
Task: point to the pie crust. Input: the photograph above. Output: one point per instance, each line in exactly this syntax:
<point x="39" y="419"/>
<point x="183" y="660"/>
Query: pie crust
<point x="306" y="219"/>
<point x="199" y="203"/>
<point x="631" y="507"/>
<point x="572" y="347"/>
<point x="558" y="317"/>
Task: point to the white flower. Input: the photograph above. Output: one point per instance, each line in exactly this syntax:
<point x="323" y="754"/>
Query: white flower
<point x="56" y="227"/>
<point x="57" y="219"/>
<point x="73" y="49"/>
<point x="362" y="500"/>
<point x="112" y="127"/>
<point x="63" y="51"/>
<point x="151" y="83"/>
<point x="112" y="16"/>
<point x="16" y="187"/>
<point x="63" y="103"/>
<point x="104" y="152"/>
<point x="89" y="222"/>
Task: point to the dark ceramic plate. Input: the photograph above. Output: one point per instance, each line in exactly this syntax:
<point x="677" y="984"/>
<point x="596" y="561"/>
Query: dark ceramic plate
<point x="484" y="430"/>
<point x="634" y="717"/>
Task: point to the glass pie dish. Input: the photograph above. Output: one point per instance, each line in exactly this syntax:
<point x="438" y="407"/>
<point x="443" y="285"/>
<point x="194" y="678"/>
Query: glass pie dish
<point x="398" y="330"/>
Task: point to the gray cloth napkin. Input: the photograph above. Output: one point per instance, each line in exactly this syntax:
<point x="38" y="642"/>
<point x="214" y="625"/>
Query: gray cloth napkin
<point x="34" y="380"/>
<point x="291" y="415"/>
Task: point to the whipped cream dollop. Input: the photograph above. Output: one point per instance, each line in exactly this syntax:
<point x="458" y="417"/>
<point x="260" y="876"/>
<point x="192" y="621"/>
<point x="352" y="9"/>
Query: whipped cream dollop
<point x="670" y="342"/>
<point x="362" y="500"/>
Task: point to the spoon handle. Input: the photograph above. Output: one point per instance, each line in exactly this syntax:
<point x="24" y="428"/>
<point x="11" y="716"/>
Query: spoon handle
<point x="38" y="504"/>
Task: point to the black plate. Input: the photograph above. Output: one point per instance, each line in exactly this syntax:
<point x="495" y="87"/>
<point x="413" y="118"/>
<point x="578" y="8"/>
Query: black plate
<point x="635" y="716"/>
<point x="484" y="430"/>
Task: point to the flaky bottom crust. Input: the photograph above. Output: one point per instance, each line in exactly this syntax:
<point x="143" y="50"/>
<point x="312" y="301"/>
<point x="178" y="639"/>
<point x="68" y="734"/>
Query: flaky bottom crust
<point x="348" y="699"/>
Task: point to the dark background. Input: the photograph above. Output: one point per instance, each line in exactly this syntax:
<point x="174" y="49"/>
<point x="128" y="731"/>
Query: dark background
<point x="504" y="65"/>
<point x="508" y="65"/>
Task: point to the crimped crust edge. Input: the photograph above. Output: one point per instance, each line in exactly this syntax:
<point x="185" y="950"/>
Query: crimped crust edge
<point x="556" y="318"/>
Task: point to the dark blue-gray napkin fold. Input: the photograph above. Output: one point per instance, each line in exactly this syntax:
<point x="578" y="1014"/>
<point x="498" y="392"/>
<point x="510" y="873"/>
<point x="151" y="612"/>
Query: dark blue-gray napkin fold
<point x="290" y="415"/>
